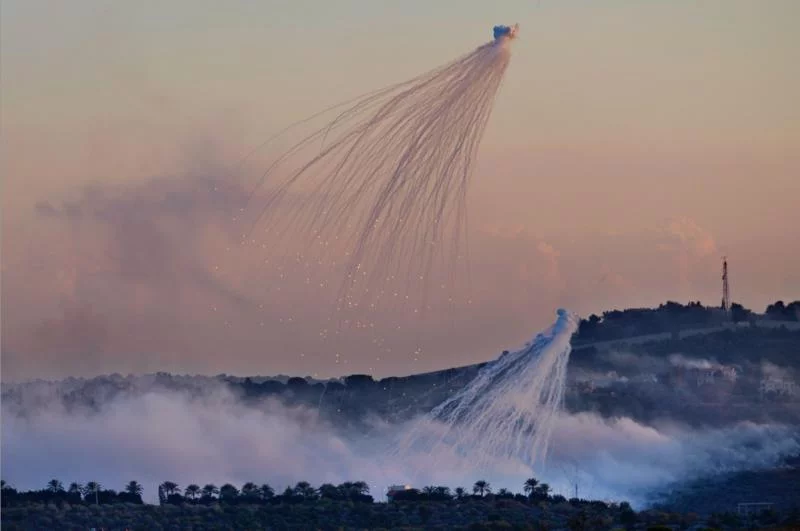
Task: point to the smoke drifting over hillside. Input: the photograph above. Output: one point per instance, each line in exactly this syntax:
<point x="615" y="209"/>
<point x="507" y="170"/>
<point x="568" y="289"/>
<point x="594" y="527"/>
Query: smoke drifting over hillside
<point x="155" y="434"/>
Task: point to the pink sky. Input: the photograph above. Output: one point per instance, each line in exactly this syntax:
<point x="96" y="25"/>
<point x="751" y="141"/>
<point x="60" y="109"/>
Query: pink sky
<point x="632" y="146"/>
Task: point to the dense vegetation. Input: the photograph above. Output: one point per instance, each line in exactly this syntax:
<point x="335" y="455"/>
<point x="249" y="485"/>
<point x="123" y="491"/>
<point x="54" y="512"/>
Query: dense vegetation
<point x="345" y="506"/>
<point x="673" y="316"/>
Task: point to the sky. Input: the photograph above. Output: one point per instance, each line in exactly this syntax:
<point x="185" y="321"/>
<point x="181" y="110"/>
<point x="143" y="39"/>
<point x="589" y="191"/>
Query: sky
<point x="632" y="145"/>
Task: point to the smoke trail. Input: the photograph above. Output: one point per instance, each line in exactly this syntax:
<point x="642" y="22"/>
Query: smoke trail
<point x="388" y="185"/>
<point x="507" y="412"/>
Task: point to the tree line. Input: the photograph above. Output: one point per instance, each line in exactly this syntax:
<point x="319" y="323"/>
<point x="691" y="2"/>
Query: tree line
<point x="76" y="493"/>
<point x="672" y="316"/>
<point x="170" y="492"/>
<point x="251" y="493"/>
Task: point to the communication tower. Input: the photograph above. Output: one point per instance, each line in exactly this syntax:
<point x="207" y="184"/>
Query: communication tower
<point x="726" y="294"/>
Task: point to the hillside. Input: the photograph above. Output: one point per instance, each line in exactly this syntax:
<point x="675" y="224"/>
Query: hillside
<point x="696" y="374"/>
<point x="702" y="378"/>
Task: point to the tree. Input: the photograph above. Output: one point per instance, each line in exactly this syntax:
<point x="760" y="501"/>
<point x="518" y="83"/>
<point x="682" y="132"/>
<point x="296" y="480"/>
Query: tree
<point x="460" y="493"/>
<point x="228" y="492"/>
<point x="542" y="491"/>
<point x="776" y="310"/>
<point x="93" y="487"/>
<point x="330" y="491"/>
<point x="210" y="490"/>
<point x="739" y="313"/>
<point x="75" y="488"/>
<point x="55" y="486"/>
<point x="250" y="491"/>
<point x="192" y="491"/>
<point x="627" y="516"/>
<point x="531" y="483"/>
<point x="266" y="492"/>
<point x="304" y="490"/>
<point x="361" y="487"/>
<point x="297" y="383"/>
<point x="134" y="488"/>
<point x="481" y="488"/>
<point x="784" y="312"/>
<point x="442" y="493"/>
<point x="170" y="488"/>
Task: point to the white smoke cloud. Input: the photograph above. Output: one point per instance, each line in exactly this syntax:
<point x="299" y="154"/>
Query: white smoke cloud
<point x="623" y="459"/>
<point x="691" y="363"/>
<point x="163" y="435"/>
<point x="776" y="372"/>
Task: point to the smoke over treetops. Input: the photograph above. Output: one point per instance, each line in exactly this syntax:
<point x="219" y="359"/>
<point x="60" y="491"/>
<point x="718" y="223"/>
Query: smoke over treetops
<point x="623" y="441"/>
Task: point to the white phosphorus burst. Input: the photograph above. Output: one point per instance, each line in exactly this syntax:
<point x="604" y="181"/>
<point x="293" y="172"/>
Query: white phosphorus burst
<point x="506" y="413"/>
<point x="387" y="176"/>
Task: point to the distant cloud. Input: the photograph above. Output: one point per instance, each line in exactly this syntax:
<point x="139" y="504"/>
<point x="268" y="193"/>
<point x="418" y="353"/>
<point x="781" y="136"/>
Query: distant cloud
<point x="692" y="235"/>
<point x="551" y="255"/>
<point x="615" y="280"/>
<point x="690" y="246"/>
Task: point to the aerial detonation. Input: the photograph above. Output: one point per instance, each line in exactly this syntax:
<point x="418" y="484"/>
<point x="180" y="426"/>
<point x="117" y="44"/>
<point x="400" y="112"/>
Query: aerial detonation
<point x="506" y="413"/>
<point x="383" y="194"/>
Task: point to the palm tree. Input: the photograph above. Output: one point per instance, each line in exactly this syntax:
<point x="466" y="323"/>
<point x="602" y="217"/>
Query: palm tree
<point x="530" y="486"/>
<point x="92" y="487"/>
<point x="542" y="491"/>
<point x="55" y="486"/>
<point x="134" y="488"/>
<point x="442" y="492"/>
<point x="192" y="491"/>
<point x="75" y="488"/>
<point x="266" y="492"/>
<point x="504" y="493"/>
<point x="170" y="488"/>
<point x="481" y="487"/>
<point x="210" y="490"/>
<point x="460" y="493"/>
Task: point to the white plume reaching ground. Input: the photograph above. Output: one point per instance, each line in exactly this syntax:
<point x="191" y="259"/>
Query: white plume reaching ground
<point x="507" y="412"/>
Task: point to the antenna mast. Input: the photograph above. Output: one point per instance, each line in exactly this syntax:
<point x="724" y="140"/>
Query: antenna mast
<point x="726" y="294"/>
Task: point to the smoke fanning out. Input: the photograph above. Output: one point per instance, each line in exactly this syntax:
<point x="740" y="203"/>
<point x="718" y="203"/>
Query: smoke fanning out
<point x="507" y="411"/>
<point x="380" y="190"/>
